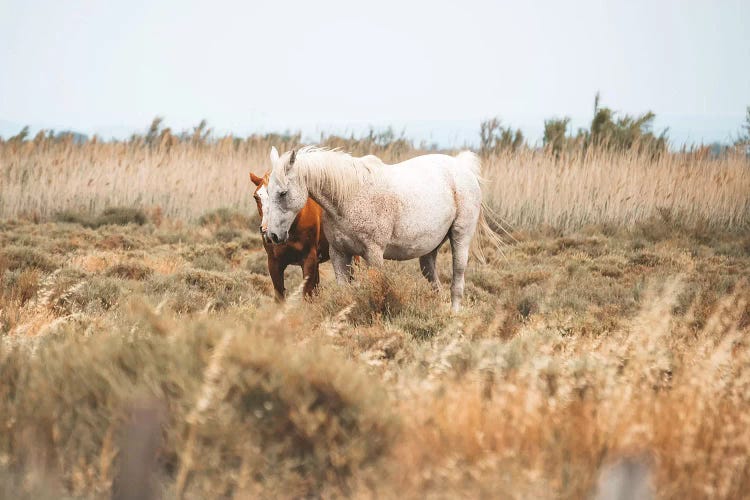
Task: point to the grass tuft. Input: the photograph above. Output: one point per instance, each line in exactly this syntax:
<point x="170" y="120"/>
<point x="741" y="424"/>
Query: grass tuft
<point x="120" y="216"/>
<point x="18" y="258"/>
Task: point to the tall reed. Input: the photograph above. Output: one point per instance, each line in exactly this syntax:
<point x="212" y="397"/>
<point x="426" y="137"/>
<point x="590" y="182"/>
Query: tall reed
<point x="527" y="188"/>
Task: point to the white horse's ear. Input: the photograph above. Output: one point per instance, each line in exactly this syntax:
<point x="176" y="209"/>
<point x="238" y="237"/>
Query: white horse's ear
<point x="292" y="157"/>
<point x="274" y="155"/>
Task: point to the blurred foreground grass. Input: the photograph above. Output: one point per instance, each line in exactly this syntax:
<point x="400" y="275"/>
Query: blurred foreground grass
<point x="572" y="351"/>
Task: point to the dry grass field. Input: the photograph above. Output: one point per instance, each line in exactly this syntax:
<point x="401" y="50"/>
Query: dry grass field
<point x="141" y="351"/>
<point x="528" y="188"/>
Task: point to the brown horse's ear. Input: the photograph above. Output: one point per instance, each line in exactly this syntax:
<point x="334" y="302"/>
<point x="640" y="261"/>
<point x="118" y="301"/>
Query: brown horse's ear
<point x="256" y="180"/>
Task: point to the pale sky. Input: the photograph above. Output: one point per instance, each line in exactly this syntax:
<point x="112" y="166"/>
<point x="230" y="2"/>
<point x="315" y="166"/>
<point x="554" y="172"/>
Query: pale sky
<point x="109" y="67"/>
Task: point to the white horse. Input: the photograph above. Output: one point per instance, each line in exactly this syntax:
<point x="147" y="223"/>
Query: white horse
<point x="378" y="211"/>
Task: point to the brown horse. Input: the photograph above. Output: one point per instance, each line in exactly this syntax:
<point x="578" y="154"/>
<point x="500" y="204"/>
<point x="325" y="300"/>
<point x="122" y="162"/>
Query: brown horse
<point x="306" y="247"/>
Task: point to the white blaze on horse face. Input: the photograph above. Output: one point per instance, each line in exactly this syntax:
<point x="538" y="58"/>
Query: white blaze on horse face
<point x="263" y="195"/>
<point x="283" y="206"/>
<point x="286" y="197"/>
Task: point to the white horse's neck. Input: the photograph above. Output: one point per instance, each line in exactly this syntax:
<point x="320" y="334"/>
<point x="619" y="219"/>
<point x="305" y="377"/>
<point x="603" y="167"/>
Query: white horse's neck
<point x="325" y="199"/>
<point x="333" y="178"/>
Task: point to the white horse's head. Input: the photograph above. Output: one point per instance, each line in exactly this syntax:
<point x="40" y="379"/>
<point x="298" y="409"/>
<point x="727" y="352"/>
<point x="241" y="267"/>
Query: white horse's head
<point x="287" y="195"/>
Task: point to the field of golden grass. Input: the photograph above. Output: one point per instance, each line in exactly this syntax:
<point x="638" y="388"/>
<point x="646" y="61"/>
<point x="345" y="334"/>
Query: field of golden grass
<point x="141" y="351"/>
<point x="528" y="188"/>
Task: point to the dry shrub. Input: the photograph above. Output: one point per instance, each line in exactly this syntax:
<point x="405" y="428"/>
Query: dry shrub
<point x="21" y="285"/>
<point x="116" y="242"/>
<point x="14" y="258"/>
<point x="374" y="344"/>
<point x="539" y="415"/>
<point x="120" y="216"/>
<point x="488" y="279"/>
<point x="227" y="234"/>
<point x="180" y="296"/>
<point x="309" y="419"/>
<point x="103" y="375"/>
<point x="207" y="250"/>
<point x="92" y="295"/>
<point x="224" y="288"/>
<point x="531" y="277"/>
<point x="527" y="306"/>
<point x="174" y="236"/>
<point x="130" y="271"/>
<point x="257" y="262"/>
<point x="258" y="416"/>
<point x="224" y="219"/>
<point x="73" y="217"/>
<point x="575" y="350"/>
<point x="646" y="259"/>
<point x="210" y="262"/>
<point x="388" y="295"/>
<point x="194" y="290"/>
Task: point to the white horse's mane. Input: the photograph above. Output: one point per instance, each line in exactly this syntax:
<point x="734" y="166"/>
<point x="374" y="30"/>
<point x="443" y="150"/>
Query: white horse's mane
<point x="338" y="173"/>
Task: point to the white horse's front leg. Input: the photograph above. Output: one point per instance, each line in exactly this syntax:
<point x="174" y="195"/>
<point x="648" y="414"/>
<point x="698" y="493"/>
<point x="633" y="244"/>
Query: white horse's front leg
<point x="374" y="256"/>
<point x="342" y="265"/>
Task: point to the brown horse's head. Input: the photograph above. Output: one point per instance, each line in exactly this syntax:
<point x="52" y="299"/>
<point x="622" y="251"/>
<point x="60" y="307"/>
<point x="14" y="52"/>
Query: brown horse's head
<point x="261" y="196"/>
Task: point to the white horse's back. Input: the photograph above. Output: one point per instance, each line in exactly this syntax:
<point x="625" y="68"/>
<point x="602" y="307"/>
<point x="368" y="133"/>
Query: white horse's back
<point x="431" y="190"/>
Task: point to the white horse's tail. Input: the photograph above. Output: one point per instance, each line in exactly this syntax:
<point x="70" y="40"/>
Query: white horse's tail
<point x="484" y="232"/>
<point x="470" y="161"/>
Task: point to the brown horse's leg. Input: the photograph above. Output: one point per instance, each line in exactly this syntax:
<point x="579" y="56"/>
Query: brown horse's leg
<point x="310" y="273"/>
<point x="276" y="270"/>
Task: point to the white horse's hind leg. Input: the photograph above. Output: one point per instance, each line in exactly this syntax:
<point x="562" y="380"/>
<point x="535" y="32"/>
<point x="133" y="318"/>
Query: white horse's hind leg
<point x="460" y="245"/>
<point x="427" y="263"/>
<point x="461" y="234"/>
<point x="342" y="265"/>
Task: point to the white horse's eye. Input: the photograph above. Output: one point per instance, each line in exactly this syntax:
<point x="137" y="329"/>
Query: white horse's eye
<point x="282" y="193"/>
